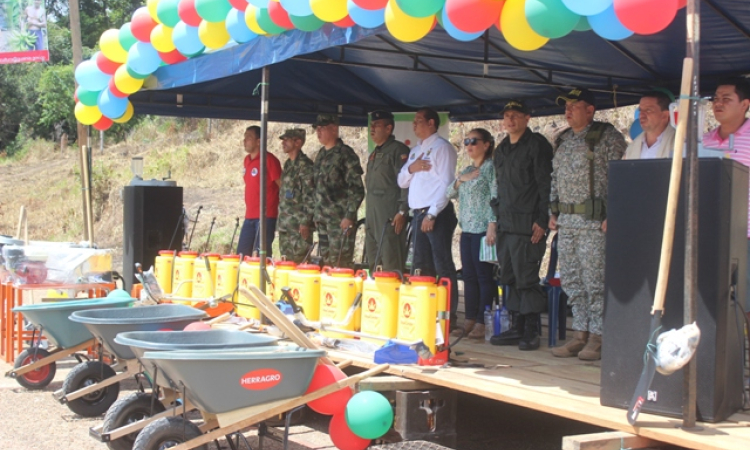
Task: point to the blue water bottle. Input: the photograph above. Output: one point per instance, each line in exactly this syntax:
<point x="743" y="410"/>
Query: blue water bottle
<point x="496" y="320"/>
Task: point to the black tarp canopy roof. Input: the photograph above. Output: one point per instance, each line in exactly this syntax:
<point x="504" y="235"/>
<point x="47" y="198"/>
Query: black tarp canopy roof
<point x="354" y="71"/>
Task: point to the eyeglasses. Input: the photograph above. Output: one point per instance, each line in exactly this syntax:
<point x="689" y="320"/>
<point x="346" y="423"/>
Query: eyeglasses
<point x="472" y="141"/>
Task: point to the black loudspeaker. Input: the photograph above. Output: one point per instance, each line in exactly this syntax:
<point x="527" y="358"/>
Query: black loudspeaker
<point x="151" y="214"/>
<point x="636" y="209"/>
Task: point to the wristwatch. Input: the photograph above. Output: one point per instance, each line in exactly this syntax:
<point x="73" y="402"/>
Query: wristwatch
<point x="430" y="217"/>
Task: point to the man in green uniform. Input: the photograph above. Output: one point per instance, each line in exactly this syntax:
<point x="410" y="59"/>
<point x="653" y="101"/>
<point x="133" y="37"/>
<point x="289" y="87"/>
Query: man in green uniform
<point x="295" y="198"/>
<point x="337" y="195"/>
<point x="386" y="201"/>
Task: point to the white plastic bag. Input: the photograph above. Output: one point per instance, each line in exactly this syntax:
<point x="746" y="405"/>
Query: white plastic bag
<point x="674" y="348"/>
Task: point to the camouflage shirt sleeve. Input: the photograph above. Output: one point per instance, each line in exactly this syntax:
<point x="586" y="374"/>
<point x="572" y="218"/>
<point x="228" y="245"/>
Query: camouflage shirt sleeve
<point x="353" y="182"/>
<point x="307" y="182"/>
<point x="400" y="157"/>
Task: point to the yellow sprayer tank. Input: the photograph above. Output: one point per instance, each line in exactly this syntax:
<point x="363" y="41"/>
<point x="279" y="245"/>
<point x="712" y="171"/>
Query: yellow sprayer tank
<point x="204" y="279"/>
<point x="163" y="270"/>
<point x="305" y="289"/>
<point x="380" y="306"/>
<point x="226" y="276"/>
<point x="421" y="302"/>
<point x="338" y="290"/>
<point x="182" y="281"/>
<point x="282" y="270"/>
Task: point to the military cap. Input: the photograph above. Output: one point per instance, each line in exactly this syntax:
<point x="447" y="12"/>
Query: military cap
<point x="517" y="105"/>
<point x="380" y="114"/>
<point x="326" y="119"/>
<point x="294" y="133"/>
<point x="577" y="94"/>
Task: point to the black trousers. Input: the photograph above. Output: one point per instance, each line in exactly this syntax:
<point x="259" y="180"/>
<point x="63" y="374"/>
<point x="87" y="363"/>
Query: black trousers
<point x="519" y="268"/>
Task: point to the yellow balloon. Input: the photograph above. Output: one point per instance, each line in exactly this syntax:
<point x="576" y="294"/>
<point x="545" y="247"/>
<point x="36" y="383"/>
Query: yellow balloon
<point x="127" y="116"/>
<point x="252" y="22"/>
<point x="161" y="38"/>
<point x="125" y="83"/>
<point x="404" y="27"/>
<point x="87" y="115"/>
<point x="516" y="28"/>
<point x="213" y="34"/>
<point x="110" y="45"/>
<point x="152" y="5"/>
<point x="329" y="10"/>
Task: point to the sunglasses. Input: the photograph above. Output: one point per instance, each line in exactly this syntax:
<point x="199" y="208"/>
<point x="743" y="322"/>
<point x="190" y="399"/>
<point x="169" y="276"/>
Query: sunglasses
<point x="472" y="141"/>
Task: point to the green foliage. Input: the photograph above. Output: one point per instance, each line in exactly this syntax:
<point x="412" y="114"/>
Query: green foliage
<point x="21" y="41"/>
<point x="56" y="91"/>
<point x="97" y="16"/>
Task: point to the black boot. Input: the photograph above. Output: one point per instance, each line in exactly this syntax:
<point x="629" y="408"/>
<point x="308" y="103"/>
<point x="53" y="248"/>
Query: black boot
<point x="530" y="338"/>
<point x="512" y="335"/>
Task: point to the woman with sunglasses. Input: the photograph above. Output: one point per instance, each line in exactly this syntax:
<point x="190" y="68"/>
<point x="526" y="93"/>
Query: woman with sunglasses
<point x="474" y="188"/>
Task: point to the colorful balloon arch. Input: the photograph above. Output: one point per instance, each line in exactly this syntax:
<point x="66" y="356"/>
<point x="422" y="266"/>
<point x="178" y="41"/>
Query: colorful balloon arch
<point x="170" y="31"/>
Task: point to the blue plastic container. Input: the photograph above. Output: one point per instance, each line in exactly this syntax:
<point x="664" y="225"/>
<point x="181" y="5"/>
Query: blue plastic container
<point x="57" y="327"/>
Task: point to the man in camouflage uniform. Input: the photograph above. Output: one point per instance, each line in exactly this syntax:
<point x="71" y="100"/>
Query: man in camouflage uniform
<point x="386" y="201"/>
<point x="578" y="201"/>
<point x="295" y="198"/>
<point x="338" y="193"/>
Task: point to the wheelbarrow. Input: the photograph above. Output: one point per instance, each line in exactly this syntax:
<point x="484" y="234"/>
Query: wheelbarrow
<point x="233" y="390"/>
<point x="35" y="367"/>
<point x="127" y="416"/>
<point x="93" y="386"/>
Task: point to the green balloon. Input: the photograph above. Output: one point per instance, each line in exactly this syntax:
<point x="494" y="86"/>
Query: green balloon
<point x="583" y="24"/>
<point x="306" y="23"/>
<point x="88" y="98"/>
<point x="118" y="293"/>
<point x="166" y="11"/>
<point x="135" y="74"/>
<point x="265" y="22"/>
<point x="550" y="18"/>
<point x="126" y="37"/>
<point x="212" y="10"/>
<point x="420" y="8"/>
<point x="369" y="414"/>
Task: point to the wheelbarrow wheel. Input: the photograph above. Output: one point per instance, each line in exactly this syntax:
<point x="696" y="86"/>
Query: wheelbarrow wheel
<point x="167" y="432"/>
<point x="97" y="402"/>
<point x="134" y="407"/>
<point x="39" y="378"/>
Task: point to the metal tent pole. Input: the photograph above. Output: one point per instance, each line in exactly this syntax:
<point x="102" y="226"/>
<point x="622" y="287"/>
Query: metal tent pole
<point x="263" y="151"/>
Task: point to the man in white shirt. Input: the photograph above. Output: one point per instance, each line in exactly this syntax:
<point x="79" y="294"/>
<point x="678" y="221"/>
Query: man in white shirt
<point x="431" y="167"/>
<point x="657" y="139"/>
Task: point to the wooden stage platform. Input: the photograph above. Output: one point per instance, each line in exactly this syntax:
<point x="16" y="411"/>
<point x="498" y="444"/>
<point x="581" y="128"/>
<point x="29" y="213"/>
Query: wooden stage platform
<point x="565" y="387"/>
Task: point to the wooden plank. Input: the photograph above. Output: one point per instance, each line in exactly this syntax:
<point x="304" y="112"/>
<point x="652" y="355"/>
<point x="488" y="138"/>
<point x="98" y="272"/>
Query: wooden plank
<point x="612" y="440"/>
<point x="393" y="383"/>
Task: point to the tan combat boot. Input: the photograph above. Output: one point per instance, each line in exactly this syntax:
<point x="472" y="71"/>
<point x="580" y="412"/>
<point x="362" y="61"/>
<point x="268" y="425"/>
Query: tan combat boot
<point x="466" y="329"/>
<point x="477" y="332"/>
<point x="573" y="346"/>
<point x="593" y="349"/>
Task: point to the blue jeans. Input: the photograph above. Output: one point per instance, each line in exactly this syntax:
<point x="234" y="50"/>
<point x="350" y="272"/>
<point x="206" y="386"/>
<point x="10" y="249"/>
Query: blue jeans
<point x="479" y="286"/>
<point x="432" y="251"/>
<point x="249" y="240"/>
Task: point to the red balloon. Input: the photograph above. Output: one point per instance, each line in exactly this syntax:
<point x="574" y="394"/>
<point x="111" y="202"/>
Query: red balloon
<point x="646" y="16"/>
<point x="332" y="403"/>
<point x="113" y="89"/>
<point x="105" y="65"/>
<point x="342" y="437"/>
<point x="142" y="24"/>
<point x="75" y="94"/>
<point x="346" y="22"/>
<point x="236" y="4"/>
<point x="371" y="4"/>
<point x="172" y="57"/>
<point x="103" y="124"/>
<point x="188" y="14"/>
<point x="279" y="15"/>
<point x="473" y="16"/>
<point x="681" y="4"/>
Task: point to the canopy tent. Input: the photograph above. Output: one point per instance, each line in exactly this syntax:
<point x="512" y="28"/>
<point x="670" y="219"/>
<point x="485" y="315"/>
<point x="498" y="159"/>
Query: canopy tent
<point x="355" y="70"/>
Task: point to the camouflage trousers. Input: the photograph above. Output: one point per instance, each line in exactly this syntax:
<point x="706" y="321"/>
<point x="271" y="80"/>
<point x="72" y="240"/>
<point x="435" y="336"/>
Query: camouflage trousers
<point x="292" y="246"/>
<point x="581" y="262"/>
<point x="332" y="242"/>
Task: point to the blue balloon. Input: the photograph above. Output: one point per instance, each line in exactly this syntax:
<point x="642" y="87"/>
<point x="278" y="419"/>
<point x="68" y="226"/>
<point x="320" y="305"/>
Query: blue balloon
<point x="587" y="7"/>
<point x="89" y="76"/>
<point x="143" y="58"/>
<point x="635" y="129"/>
<point x="454" y="32"/>
<point x="299" y="8"/>
<point x="186" y="40"/>
<point x="112" y="106"/>
<point x="608" y="26"/>
<point x="366" y="18"/>
<point x="237" y="27"/>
